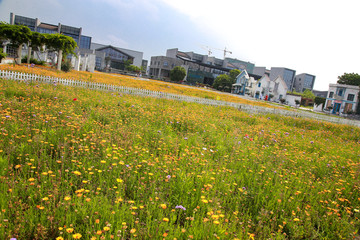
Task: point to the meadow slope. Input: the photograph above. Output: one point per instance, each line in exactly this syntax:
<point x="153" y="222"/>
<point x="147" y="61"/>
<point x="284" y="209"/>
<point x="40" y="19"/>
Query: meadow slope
<point x="87" y="164"/>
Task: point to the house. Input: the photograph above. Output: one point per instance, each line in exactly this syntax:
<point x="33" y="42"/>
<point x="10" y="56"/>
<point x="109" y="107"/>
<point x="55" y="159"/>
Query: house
<point x="241" y="81"/>
<point x="342" y="98"/>
<point x="245" y="83"/>
<point x="279" y="89"/>
<point x="262" y="87"/>
<point x="267" y="89"/>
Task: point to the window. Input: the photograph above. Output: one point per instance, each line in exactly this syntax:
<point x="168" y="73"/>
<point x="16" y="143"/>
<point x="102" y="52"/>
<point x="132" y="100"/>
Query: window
<point x="340" y="92"/>
<point x="259" y="85"/>
<point x="331" y="94"/>
<point x="165" y="63"/>
<point x="350" y="97"/>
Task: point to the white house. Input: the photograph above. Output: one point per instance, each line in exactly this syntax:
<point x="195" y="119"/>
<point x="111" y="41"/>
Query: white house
<point x="270" y="90"/>
<point x="262" y="87"/>
<point x="342" y="98"/>
<point x="279" y="89"/>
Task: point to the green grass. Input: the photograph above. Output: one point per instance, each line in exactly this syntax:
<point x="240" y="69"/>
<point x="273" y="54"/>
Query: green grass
<point x="116" y="166"/>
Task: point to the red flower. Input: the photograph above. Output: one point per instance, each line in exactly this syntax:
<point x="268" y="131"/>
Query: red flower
<point x="75" y="99"/>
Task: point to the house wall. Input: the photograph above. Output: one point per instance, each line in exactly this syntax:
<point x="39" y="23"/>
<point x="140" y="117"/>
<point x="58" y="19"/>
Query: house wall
<point x="346" y="104"/>
<point x="290" y="99"/>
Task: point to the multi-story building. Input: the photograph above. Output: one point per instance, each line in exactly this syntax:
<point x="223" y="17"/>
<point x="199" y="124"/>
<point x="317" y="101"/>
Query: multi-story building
<point x="200" y="68"/>
<point x="108" y="56"/>
<point x="261" y="71"/>
<point x="342" y="98"/>
<point x="85" y="59"/>
<point x="36" y="26"/>
<point x="286" y="74"/>
<point x="303" y="81"/>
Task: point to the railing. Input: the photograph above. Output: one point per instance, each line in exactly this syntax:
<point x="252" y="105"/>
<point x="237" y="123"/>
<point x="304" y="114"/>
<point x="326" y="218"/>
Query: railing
<point x="18" y="76"/>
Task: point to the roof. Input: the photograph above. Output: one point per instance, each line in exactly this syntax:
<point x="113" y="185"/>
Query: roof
<point x="116" y="49"/>
<point x="203" y="64"/>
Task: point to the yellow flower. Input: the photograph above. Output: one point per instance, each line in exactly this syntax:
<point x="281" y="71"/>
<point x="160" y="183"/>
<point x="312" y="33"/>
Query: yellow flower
<point x="296" y="219"/>
<point x="59" y="238"/>
<point x="106" y="228"/>
<point x="69" y="230"/>
<point x="77" y="173"/>
<point x="133" y="230"/>
<point x="163" y="206"/>
<point x="165" y="219"/>
<point x="77" y="236"/>
<point x="67" y="198"/>
<point x="31" y="179"/>
<point x="99" y="232"/>
<point x="119" y="180"/>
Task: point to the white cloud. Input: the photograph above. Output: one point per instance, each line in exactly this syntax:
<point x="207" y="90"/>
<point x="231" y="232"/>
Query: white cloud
<point x="114" y="41"/>
<point x="130" y="7"/>
<point x="317" y="37"/>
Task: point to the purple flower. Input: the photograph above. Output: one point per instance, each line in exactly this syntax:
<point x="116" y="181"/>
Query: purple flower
<point x="185" y="138"/>
<point x="168" y="176"/>
<point x="181" y="207"/>
<point x="7" y="116"/>
<point x="311" y="142"/>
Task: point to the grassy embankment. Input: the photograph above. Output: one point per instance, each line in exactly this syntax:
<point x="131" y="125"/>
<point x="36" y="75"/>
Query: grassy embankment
<point x="104" y="165"/>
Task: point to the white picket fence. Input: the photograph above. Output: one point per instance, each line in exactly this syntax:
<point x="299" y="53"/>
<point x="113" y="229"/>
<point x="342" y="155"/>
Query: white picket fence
<point x="19" y="76"/>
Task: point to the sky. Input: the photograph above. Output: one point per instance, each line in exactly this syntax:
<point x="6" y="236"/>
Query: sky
<point x="318" y="37"/>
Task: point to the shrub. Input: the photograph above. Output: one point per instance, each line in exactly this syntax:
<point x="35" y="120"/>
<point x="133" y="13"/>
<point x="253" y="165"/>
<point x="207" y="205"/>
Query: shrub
<point x="66" y="65"/>
<point x="33" y="61"/>
<point x="2" y="54"/>
<point x="177" y="74"/>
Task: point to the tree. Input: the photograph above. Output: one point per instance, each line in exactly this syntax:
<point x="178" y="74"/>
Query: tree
<point x="233" y="74"/>
<point x="320" y="100"/>
<point x="308" y="94"/>
<point x="2" y="54"/>
<point x="37" y="41"/>
<point x="17" y="35"/>
<point x="177" y="74"/>
<point x="349" y="79"/>
<point x="64" y="45"/>
<point x="133" y="68"/>
<point x="223" y="83"/>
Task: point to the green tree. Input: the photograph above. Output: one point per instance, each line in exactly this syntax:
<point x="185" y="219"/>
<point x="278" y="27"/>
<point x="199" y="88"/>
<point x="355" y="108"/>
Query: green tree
<point x="2" y="54"/>
<point x="319" y="100"/>
<point x="233" y="74"/>
<point x="349" y="79"/>
<point x="133" y="68"/>
<point x="308" y="94"/>
<point x="64" y="45"/>
<point x="17" y="35"/>
<point x="223" y="83"/>
<point x="37" y="41"/>
<point x="177" y="74"/>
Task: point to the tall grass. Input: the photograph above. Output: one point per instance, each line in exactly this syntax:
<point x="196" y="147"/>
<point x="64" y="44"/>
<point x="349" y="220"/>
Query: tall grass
<point x="85" y="164"/>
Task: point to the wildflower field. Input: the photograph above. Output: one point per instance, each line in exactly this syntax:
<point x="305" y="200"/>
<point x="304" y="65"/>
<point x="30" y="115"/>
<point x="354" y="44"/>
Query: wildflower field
<point x="82" y="164"/>
<point x="135" y="82"/>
